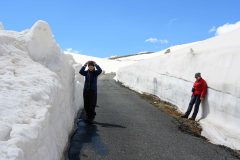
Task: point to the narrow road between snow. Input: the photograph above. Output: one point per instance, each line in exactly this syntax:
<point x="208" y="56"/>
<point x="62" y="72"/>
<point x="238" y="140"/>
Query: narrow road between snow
<point x="129" y="128"/>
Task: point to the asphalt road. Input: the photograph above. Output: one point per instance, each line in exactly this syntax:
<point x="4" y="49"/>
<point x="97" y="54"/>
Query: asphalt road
<point x="129" y="128"/>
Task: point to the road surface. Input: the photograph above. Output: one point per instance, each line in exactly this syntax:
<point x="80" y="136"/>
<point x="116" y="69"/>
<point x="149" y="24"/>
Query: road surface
<point x="129" y="128"/>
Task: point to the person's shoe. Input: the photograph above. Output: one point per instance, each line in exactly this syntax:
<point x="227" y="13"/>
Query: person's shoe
<point x="192" y="119"/>
<point x="89" y="121"/>
<point x="184" y="116"/>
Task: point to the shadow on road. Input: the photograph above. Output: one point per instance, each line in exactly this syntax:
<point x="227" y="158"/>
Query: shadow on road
<point x="83" y="135"/>
<point x="86" y="143"/>
<point x="108" y="125"/>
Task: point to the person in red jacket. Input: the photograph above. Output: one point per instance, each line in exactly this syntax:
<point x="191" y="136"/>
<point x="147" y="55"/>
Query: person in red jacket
<point x="199" y="91"/>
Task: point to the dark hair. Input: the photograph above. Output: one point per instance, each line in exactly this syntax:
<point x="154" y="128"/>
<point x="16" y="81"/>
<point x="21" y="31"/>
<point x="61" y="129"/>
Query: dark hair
<point x="91" y="63"/>
<point x="197" y="75"/>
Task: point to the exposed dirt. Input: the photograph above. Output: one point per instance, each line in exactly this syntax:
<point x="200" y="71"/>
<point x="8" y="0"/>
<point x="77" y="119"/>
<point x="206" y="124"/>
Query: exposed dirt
<point x="185" y="125"/>
<point x="130" y="55"/>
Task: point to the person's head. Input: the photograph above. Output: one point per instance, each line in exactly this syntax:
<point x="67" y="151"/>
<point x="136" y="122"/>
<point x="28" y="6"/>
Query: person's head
<point x="91" y="66"/>
<point x="198" y="76"/>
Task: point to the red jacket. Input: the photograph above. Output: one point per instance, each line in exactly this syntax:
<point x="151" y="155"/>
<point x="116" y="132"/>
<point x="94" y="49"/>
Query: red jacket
<point x="200" y="87"/>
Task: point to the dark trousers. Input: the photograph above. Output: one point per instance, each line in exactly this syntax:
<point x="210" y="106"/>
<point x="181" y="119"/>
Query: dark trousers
<point x="90" y="101"/>
<point x="195" y="99"/>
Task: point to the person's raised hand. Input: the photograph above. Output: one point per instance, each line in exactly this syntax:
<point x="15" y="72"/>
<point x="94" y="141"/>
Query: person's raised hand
<point x="86" y="64"/>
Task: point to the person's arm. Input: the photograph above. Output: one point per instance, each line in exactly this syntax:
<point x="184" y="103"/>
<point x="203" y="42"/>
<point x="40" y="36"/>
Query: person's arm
<point x="82" y="70"/>
<point x="99" y="70"/>
<point x="204" y="90"/>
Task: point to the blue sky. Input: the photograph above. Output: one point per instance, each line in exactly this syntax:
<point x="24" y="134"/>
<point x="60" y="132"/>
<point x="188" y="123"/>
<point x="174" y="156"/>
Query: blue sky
<point x="118" y="27"/>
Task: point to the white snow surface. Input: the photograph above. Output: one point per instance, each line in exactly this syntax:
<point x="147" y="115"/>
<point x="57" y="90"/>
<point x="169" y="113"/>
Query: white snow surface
<point x="144" y="57"/>
<point x="107" y="65"/>
<point x="171" y="77"/>
<point x="112" y="66"/>
<point x="39" y="95"/>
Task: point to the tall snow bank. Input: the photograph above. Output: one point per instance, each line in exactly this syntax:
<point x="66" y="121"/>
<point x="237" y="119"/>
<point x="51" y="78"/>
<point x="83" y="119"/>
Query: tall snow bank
<point x="39" y="96"/>
<point x="171" y="77"/>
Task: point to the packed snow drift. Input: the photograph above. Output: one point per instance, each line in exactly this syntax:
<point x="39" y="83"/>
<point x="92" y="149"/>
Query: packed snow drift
<point x="112" y="65"/>
<point x="170" y="76"/>
<point x="108" y="66"/>
<point x="39" y="96"/>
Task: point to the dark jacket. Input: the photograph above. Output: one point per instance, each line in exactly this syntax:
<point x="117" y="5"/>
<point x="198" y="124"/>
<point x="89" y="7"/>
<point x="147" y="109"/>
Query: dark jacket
<point x="200" y="87"/>
<point x="90" y="78"/>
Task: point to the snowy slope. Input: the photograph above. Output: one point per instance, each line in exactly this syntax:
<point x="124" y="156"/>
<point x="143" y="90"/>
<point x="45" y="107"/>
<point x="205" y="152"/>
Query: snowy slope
<point x="39" y="95"/>
<point x="108" y="66"/>
<point x="171" y="76"/>
<point x="144" y="57"/>
<point x="111" y="66"/>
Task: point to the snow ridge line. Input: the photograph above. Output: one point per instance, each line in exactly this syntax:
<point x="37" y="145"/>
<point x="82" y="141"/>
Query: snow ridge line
<point x="217" y="90"/>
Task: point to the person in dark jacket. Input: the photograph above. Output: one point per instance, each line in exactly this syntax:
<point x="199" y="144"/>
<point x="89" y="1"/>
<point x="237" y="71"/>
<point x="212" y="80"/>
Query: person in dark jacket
<point x="90" y="88"/>
<point x="199" y="91"/>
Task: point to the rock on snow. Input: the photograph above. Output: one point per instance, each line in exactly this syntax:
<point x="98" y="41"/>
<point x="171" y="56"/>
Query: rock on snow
<point x="39" y="95"/>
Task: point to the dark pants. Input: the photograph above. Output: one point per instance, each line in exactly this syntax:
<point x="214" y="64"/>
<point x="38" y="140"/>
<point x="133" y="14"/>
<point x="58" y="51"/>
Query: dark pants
<point x="90" y="101"/>
<point x="194" y="100"/>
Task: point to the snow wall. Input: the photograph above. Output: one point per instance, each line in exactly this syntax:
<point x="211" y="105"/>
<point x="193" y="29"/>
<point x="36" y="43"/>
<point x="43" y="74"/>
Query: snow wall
<point x="171" y="77"/>
<point x="40" y="94"/>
